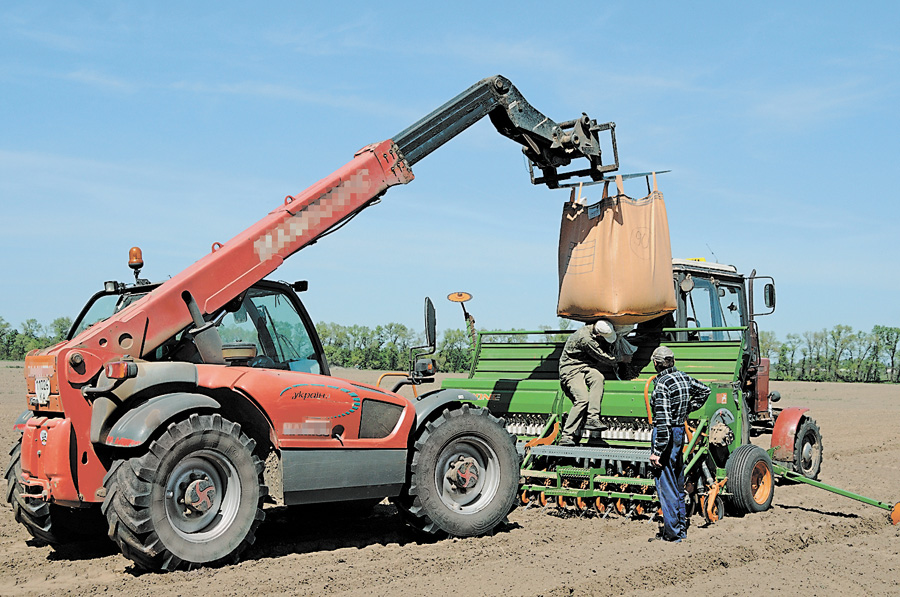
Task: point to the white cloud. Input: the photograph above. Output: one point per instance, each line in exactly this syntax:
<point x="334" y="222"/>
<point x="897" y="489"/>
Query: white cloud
<point x="800" y="106"/>
<point x="98" y="79"/>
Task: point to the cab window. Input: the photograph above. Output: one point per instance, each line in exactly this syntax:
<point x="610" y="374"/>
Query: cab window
<point x="102" y="307"/>
<point x="268" y="320"/>
<point x="714" y="305"/>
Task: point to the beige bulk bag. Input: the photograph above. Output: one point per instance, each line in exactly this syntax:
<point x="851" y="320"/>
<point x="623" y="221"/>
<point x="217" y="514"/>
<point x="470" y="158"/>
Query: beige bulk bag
<point x="615" y="259"/>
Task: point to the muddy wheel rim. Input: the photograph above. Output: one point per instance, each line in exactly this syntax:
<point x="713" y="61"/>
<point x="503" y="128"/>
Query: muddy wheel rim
<point x="761" y="482"/>
<point x="479" y="496"/>
<point x="203" y="524"/>
<point x="809" y="453"/>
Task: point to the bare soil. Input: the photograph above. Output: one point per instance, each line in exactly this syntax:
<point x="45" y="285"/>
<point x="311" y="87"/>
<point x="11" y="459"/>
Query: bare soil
<point x="809" y="543"/>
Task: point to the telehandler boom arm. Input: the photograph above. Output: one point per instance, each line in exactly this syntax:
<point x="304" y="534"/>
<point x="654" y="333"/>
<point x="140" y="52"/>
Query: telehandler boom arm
<point x="231" y="268"/>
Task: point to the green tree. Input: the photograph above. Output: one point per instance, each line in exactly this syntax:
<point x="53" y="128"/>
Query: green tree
<point x="59" y="327"/>
<point x="889" y="341"/>
<point x="6" y="337"/>
<point x="838" y="340"/>
<point x="454" y="355"/>
<point x="768" y="344"/>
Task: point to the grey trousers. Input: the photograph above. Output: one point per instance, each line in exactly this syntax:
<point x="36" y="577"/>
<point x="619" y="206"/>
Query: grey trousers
<point x="585" y="390"/>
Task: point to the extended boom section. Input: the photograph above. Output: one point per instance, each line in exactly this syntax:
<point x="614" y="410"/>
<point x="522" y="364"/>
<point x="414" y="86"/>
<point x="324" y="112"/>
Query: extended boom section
<point x="547" y="144"/>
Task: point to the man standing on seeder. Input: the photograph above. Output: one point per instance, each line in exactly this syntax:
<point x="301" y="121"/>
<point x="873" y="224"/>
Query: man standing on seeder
<point x="588" y="349"/>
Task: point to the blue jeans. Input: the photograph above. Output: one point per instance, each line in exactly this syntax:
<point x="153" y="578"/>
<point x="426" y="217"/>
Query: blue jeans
<point x="670" y="486"/>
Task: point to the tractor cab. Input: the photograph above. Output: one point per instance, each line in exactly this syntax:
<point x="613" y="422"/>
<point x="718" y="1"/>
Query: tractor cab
<point x="713" y="295"/>
<point x="267" y="326"/>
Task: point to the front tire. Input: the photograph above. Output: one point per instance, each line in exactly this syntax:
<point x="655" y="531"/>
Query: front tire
<point x="464" y="475"/>
<point x="48" y="523"/>
<point x="194" y="498"/>
<point x="808" y="449"/>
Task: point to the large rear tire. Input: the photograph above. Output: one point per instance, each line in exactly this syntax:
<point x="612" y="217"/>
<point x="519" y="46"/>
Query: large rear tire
<point x="194" y="498"/>
<point x="464" y="475"/>
<point x="750" y="479"/>
<point x="48" y="523"/>
<point x="808" y="449"/>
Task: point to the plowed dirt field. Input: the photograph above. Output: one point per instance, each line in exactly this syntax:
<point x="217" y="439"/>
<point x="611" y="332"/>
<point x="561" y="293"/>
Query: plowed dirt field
<point x="809" y="543"/>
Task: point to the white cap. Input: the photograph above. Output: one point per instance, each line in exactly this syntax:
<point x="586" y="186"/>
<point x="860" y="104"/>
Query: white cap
<point x="604" y="329"/>
<point x="662" y="354"/>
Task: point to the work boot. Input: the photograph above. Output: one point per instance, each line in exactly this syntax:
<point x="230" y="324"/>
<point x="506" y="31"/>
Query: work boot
<point x="593" y="423"/>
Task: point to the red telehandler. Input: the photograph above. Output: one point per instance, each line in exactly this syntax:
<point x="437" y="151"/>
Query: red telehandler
<point x="163" y="404"/>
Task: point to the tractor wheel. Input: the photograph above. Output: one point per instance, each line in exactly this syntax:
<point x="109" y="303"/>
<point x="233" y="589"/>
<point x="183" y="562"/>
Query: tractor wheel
<point x="194" y="498"/>
<point x="750" y="479"/>
<point x="48" y="523"/>
<point x="464" y="475"/>
<point x="808" y="449"/>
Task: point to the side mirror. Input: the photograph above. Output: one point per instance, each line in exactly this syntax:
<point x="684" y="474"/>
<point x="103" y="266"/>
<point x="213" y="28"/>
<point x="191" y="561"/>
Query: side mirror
<point x="430" y="324"/>
<point x="769" y="296"/>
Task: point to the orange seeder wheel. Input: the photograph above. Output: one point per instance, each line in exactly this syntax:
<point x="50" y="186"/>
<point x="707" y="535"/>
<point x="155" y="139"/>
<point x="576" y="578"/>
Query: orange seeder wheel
<point x="761" y="483"/>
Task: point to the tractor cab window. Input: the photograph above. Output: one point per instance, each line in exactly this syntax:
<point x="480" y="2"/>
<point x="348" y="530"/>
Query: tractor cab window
<point x="100" y="307"/>
<point x="268" y="320"/>
<point x="714" y="305"/>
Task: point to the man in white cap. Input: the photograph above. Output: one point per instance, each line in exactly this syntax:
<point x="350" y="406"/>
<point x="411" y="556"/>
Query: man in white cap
<point x="587" y="350"/>
<point x="674" y="396"/>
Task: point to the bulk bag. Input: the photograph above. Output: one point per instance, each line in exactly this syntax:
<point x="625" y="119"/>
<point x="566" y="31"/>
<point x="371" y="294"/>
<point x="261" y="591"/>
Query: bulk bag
<point x="615" y="259"/>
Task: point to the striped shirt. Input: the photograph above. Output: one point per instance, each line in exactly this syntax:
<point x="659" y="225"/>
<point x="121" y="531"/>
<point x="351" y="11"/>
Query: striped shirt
<point x="676" y="394"/>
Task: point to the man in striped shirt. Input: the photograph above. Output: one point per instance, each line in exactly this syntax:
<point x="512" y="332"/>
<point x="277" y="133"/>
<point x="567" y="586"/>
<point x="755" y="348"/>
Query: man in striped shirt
<point x="675" y="395"/>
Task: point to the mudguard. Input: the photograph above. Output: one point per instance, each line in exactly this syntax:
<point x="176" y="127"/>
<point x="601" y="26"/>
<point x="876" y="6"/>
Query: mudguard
<point x="138" y="424"/>
<point x="19" y="425"/>
<point x="427" y="404"/>
<point x="784" y="432"/>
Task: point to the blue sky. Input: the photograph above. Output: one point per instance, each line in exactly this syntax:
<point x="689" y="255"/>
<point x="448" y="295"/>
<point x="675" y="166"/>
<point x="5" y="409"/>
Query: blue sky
<point x="175" y="125"/>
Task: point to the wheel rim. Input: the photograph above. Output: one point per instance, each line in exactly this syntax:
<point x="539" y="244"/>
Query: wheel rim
<point x="203" y="494"/>
<point x="761" y="482"/>
<point x="809" y="453"/>
<point x="459" y="461"/>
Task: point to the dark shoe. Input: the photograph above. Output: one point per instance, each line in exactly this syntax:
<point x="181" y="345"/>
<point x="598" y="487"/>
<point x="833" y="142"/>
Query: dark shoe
<point x="659" y="537"/>
<point x="566" y="442"/>
<point x="593" y="424"/>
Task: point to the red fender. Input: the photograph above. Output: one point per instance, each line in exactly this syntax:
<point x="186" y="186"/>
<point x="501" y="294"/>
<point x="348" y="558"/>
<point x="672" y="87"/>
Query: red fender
<point x="784" y="432"/>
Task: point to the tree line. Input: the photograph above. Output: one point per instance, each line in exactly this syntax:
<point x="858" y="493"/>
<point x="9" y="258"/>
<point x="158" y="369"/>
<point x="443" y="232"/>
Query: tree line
<point x="15" y="343"/>
<point x="837" y="354"/>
